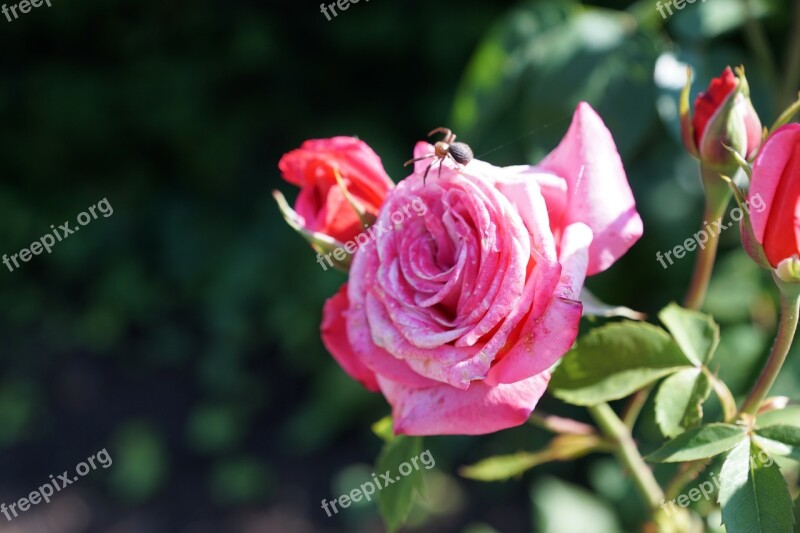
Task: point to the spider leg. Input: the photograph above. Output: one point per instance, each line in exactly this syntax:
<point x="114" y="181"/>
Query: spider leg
<point x="417" y="159"/>
<point x="458" y="166"/>
<point x="441" y="164"/>
<point x="448" y="135"/>
<point x="425" y="176"/>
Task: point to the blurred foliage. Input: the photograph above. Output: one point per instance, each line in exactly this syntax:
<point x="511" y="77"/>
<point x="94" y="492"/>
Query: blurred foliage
<point x="182" y="332"/>
<point x="140" y="462"/>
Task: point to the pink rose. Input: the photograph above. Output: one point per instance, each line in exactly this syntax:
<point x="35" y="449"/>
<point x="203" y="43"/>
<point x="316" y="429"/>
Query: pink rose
<point x="322" y="206"/>
<point x="457" y="315"/>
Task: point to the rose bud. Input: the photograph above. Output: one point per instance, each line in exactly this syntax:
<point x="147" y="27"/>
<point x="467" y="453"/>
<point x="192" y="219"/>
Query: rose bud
<point x="774" y="196"/>
<point x="342" y="187"/>
<point x="723" y="116"/>
<point x="458" y="313"/>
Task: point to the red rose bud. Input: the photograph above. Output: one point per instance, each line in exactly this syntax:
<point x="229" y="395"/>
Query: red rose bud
<point x="775" y="188"/>
<point x="342" y="185"/>
<point x="723" y="116"/>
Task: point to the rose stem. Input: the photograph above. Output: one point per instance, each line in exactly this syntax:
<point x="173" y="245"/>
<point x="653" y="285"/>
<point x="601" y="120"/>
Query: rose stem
<point x="628" y="454"/>
<point x="717" y="196"/>
<point x="790" y="302"/>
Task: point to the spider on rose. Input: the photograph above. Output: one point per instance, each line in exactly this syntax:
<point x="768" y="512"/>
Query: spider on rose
<point x="459" y="152"/>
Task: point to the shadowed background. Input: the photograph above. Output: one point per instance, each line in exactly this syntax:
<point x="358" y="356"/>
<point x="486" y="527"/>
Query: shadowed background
<point x="181" y="333"/>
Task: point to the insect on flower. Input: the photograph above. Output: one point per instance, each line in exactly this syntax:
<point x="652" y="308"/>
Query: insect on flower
<point x="459" y="152"/>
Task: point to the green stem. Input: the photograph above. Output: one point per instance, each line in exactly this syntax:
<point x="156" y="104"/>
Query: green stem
<point x="790" y="307"/>
<point x="718" y="194"/>
<point x="628" y="454"/>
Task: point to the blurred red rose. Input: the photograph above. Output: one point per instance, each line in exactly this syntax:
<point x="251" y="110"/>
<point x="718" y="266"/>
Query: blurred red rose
<point x="323" y="206"/>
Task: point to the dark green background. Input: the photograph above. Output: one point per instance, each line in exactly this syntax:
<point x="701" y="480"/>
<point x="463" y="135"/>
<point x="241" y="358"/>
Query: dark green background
<point x="182" y="332"/>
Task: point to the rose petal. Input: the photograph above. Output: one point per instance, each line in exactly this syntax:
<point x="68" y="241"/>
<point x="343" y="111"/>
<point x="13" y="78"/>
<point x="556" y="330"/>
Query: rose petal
<point x="501" y="297"/>
<point x="544" y="339"/>
<point x="334" y="336"/>
<point x="359" y="332"/>
<point x="709" y="101"/>
<point x="598" y="190"/>
<point x="768" y="169"/>
<point x="780" y="237"/>
<point x="444" y="410"/>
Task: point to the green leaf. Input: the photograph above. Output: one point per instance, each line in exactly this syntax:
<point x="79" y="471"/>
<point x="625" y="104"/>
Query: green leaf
<point x="696" y="333"/>
<point x="753" y="493"/>
<point x="700" y="443"/>
<point x="395" y="500"/>
<point x="502" y="467"/>
<point x="561" y="448"/>
<point x="780" y="440"/>
<point x="614" y="361"/>
<point x="679" y="402"/>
